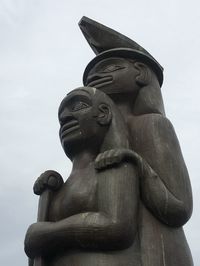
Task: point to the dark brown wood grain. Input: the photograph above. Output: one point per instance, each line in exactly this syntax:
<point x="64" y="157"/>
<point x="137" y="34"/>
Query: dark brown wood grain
<point x="129" y="194"/>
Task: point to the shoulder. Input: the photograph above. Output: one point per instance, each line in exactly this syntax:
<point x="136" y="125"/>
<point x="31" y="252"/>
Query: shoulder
<point x="160" y="126"/>
<point x="161" y="130"/>
<point x="152" y="133"/>
<point x="152" y="119"/>
<point x="149" y="124"/>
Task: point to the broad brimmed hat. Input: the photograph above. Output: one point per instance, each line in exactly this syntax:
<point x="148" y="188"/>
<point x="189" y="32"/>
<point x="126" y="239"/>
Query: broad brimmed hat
<point x="106" y="42"/>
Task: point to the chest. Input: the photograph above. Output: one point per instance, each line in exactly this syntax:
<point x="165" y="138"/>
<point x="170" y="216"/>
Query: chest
<point x="78" y="194"/>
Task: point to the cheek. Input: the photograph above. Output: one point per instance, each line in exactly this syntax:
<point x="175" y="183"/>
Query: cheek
<point x="121" y="80"/>
<point x="87" y="127"/>
<point x="128" y="79"/>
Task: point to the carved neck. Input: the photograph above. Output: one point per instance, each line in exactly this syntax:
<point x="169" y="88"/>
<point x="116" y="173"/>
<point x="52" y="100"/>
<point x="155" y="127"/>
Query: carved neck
<point x="83" y="159"/>
<point x="124" y="102"/>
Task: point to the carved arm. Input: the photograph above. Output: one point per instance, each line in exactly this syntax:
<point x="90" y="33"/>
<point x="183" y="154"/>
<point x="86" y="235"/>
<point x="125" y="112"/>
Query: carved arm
<point x="113" y="226"/>
<point x="164" y="181"/>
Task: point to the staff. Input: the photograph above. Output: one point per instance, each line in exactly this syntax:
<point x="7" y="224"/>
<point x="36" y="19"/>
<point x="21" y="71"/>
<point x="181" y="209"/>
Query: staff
<point x="48" y="181"/>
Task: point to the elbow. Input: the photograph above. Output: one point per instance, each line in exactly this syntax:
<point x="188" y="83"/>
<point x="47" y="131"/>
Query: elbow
<point x="27" y="249"/>
<point x="108" y="233"/>
<point x="120" y="235"/>
<point x="179" y="217"/>
<point x="183" y="217"/>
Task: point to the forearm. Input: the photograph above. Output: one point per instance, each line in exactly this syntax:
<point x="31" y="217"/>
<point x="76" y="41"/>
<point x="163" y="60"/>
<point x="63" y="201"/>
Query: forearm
<point x="84" y="230"/>
<point x="113" y="226"/>
<point x="161" y="201"/>
<point x="170" y="208"/>
<point x="92" y="230"/>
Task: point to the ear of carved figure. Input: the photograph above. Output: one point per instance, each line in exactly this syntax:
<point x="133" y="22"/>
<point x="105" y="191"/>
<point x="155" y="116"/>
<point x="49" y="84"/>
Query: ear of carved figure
<point x="109" y="115"/>
<point x="105" y="115"/>
<point x="117" y="134"/>
<point x="144" y="76"/>
<point x="149" y="98"/>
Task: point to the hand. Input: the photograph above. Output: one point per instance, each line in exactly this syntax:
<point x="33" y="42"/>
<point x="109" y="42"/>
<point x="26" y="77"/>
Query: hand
<point x="116" y="156"/>
<point x="49" y="179"/>
<point x="35" y="243"/>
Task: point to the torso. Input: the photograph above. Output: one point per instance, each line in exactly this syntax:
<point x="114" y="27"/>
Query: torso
<point x="77" y="195"/>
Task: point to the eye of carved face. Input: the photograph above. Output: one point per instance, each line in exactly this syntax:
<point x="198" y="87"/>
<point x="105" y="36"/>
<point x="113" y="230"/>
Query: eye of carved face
<point x="112" y="68"/>
<point x="73" y="103"/>
<point x="79" y="106"/>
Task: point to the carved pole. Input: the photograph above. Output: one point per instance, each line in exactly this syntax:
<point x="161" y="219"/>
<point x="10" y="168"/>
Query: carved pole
<point x="51" y="181"/>
<point x="43" y="207"/>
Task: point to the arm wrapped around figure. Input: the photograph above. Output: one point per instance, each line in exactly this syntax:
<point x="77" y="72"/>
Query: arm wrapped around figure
<point x="164" y="181"/>
<point x="112" y="227"/>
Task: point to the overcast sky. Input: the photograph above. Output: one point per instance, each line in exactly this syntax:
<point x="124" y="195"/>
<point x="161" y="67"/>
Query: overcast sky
<point x="42" y="57"/>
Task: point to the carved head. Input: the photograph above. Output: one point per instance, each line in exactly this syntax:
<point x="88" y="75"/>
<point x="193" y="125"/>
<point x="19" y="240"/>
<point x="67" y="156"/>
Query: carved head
<point x="118" y="75"/>
<point x="122" y="66"/>
<point x="113" y="75"/>
<point x="85" y="116"/>
<point x="130" y="77"/>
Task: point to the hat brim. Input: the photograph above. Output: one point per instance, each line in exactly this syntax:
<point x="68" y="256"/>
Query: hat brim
<point x="126" y="53"/>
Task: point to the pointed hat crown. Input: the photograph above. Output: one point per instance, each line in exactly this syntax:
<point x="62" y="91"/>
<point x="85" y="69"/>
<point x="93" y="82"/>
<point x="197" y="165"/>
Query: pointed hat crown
<point x="106" y="42"/>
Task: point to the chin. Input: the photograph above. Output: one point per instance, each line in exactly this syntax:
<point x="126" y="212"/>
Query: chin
<point x="72" y="140"/>
<point x="71" y="149"/>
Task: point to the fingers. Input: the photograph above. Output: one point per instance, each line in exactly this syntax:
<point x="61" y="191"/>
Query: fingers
<point x="108" y="158"/>
<point x="116" y="156"/>
<point x="49" y="179"/>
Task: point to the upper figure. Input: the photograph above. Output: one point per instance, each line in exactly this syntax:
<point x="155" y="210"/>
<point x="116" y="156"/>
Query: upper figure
<point x="133" y="78"/>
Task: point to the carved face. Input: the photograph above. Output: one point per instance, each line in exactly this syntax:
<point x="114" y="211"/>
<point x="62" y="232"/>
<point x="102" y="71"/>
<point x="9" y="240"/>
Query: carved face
<point x="114" y="75"/>
<point x="80" y="121"/>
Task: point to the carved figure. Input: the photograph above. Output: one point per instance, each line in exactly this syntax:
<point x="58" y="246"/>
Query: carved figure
<point x="132" y="78"/>
<point x="129" y="193"/>
<point x="92" y="217"/>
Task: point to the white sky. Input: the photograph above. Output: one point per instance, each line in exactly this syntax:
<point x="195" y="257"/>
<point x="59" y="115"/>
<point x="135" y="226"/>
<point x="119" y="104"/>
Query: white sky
<point x="43" y="55"/>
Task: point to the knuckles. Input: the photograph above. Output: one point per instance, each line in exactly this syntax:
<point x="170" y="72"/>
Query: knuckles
<point x="50" y="179"/>
<point x="109" y="158"/>
<point x="116" y="156"/>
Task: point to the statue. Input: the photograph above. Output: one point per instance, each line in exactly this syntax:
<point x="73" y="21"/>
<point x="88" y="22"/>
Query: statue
<point x="129" y="193"/>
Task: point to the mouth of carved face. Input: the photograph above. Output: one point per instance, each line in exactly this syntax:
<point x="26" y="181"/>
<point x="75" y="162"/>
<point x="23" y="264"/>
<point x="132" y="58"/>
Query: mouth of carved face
<point x="98" y="82"/>
<point x="68" y="128"/>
